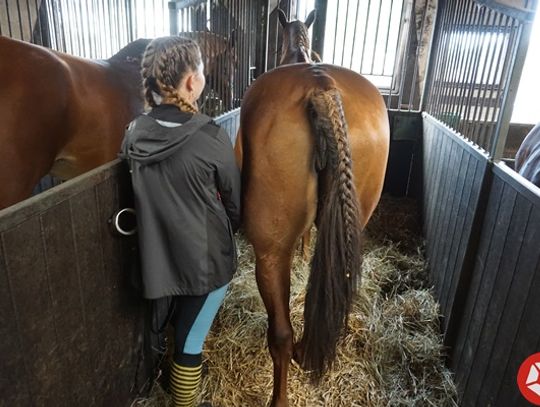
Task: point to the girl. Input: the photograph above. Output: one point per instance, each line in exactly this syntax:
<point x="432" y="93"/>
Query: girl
<point x="187" y="197"/>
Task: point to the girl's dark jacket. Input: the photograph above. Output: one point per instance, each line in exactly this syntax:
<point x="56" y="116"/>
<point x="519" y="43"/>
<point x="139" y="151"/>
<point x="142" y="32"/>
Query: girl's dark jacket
<point x="187" y="198"/>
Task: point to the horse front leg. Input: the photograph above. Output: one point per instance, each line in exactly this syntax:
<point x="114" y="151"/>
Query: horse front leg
<point x="273" y="279"/>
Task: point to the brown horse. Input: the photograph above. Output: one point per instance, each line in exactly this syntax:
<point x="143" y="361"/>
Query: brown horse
<point x="313" y="146"/>
<point x="61" y="114"/>
<point x="65" y="115"/>
<point x="528" y="157"/>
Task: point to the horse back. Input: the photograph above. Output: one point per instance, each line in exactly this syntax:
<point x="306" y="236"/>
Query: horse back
<point x="528" y="156"/>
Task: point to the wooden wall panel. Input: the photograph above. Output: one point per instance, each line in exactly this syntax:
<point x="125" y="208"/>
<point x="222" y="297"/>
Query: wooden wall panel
<point x="454" y="173"/>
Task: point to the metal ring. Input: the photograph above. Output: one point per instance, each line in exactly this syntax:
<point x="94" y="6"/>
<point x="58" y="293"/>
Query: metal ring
<point x="116" y="222"/>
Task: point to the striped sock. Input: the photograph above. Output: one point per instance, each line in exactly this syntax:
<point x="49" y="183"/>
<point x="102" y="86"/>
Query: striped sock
<point x="185" y="384"/>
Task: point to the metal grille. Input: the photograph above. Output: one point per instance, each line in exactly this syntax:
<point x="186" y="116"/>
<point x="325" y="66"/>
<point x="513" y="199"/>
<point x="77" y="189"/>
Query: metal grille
<point x="98" y="29"/>
<point x="89" y="29"/>
<point x="478" y="60"/>
<point x="237" y="35"/>
<point x="387" y="41"/>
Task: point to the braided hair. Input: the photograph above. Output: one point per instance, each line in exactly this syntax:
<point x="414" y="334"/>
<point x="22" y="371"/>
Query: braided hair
<point x="165" y="62"/>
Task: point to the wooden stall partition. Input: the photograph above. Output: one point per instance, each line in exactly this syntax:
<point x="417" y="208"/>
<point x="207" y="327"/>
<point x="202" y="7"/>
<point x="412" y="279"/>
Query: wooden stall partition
<point x="500" y="327"/>
<point x="454" y="183"/>
<point x="71" y="318"/>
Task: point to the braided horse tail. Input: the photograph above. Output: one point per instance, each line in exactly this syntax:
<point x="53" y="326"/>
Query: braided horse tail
<point x="336" y="263"/>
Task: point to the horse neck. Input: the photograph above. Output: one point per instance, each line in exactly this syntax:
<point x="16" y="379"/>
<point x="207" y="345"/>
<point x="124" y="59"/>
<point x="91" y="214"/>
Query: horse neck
<point x="294" y="55"/>
<point x="296" y="50"/>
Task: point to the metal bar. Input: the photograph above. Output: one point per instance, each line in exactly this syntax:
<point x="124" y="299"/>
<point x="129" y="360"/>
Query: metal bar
<point x="354" y="33"/>
<point x="495" y="108"/>
<point x="129" y="20"/>
<point x="396" y="56"/>
<point x="466" y="70"/>
<point x="266" y="14"/>
<point x="404" y="64"/>
<point x="418" y="46"/>
<point x="456" y="42"/>
<point x="30" y="24"/>
<point x="20" y="20"/>
<point x="345" y="33"/>
<point x="97" y="28"/>
<point x="365" y="36"/>
<point x="519" y="14"/>
<point x="103" y="28"/>
<point x="435" y="57"/>
<point x="464" y="56"/>
<point x="90" y="31"/>
<point x="184" y="4"/>
<point x="236" y="23"/>
<point x="335" y="33"/>
<point x="218" y="88"/>
<point x="62" y="30"/>
<point x="509" y="97"/>
<point x="80" y="31"/>
<point x="245" y="11"/>
<point x="37" y="26"/>
<point x="448" y="67"/>
<point x="377" y="37"/>
<point x="319" y="27"/>
<point x="277" y="55"/>
<point x="8" y="15"/>
<point x="71" y="36"/>
<point x="470" y="68"/>
<point x="484" y="18"/>
<point x="482" y="86"/>
<point x="387" y="35"/>
<point x="444" y="53"/>
<point x="491" y="56"/>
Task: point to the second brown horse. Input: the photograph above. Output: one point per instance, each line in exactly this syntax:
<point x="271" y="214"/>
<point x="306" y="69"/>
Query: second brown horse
<point x="313" y="146"/>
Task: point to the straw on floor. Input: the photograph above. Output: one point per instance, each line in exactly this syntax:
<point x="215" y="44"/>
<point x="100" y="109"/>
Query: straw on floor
<point x="391" y="355"/>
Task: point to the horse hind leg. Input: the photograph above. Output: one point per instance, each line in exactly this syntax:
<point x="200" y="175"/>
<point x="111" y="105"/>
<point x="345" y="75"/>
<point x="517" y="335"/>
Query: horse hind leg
<point x="273" y="280"/>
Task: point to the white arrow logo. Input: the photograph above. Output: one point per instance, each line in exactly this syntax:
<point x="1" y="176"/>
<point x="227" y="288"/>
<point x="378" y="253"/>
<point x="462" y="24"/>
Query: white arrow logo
<point x="532" y="379"/>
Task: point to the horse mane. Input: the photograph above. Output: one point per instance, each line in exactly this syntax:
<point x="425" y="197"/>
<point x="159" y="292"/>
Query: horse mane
<point x="134" y="50"/>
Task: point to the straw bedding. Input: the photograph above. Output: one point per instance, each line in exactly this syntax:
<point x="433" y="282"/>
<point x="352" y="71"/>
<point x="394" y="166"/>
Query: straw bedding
<point x="391" y="355"/>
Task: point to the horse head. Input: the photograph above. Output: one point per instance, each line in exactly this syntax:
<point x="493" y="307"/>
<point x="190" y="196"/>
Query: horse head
<point x="220" y="64"/>
<point x="296" y="45"/>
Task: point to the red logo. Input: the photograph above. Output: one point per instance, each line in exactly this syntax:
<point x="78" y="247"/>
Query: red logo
<point x="529" y="379"/>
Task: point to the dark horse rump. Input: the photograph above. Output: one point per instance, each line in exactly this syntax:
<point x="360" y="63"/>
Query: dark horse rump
<point x="528" y="156"/>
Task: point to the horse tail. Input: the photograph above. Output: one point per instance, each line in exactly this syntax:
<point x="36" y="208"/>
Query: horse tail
<point x="336" y="263"/>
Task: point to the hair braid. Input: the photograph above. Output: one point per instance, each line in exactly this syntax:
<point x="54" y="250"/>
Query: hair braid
<point x="165" y="63"/>
<point x="149" y="84"/>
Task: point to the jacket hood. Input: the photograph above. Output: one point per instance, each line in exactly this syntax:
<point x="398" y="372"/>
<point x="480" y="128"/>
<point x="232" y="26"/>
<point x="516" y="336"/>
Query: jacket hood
<point x="148" y="140"/>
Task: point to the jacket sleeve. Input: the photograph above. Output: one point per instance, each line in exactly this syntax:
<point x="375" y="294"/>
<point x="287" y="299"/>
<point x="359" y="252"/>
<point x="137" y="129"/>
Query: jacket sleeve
<point x="228" y="179"/>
